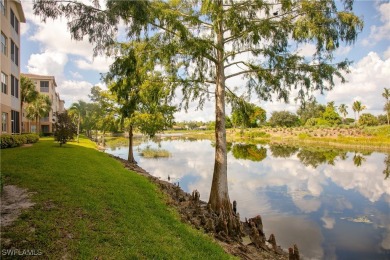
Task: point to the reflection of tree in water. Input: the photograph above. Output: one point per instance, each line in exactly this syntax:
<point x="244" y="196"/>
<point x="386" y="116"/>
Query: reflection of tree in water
<point x="229" y="146"/>
<point x="249" y="152"/>
<point x="283" y="150"/>
<point x="386" y="171"/>
<point x="358" y="159"/>
<point x="116" y="142"/>
<point x="316" y="157"/>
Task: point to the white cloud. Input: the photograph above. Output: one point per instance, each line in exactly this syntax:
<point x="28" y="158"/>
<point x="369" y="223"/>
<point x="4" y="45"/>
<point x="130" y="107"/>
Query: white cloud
<point x="24" y="27"/>
<point x="378" y="33"/>
<point x="363" y="179"/>
<point x="47" y="63"/>
<point x="307" y="50"/>
<point x="328" y="222"/>
<point x="71" y="91"/>
<point x="343" y="50"/>
<point x="365" y="82"/>
<point x="206" y="114"/>
<point x="76" y="75"/>
<point x="54" y="35"/>
<point x="99" y="63"/>
<point x="386" y="54"/>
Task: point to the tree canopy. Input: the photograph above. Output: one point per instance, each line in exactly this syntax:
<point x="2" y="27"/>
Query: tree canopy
<point x="310" y="110"/>
<point x="202" y="45"/>
<point x="284" y="118"/>
<point x="142" y="94"/>
<point x="245" y="114"/>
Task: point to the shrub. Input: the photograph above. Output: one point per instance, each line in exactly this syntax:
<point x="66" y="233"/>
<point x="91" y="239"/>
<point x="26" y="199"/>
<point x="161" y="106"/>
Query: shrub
<point x="331" y="116"/>
<point x="311" y="122"/>
<point x="31" y="138"/>
<point x="9" y="141"/>
<point x="368" y="120"/>
<point x="64" y="128"/>
<point x="322" y="122"/>
<point x="382" y="119"/>
<point x="284" y="119"/>
<point x="349" y="121"/>
<point x="258" y="134"/>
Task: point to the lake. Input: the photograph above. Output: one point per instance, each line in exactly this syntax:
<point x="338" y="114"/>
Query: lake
<point x="334" y="204"/>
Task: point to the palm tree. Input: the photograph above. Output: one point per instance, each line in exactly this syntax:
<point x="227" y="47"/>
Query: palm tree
<point x="38" y="108"/>
<point x="78" y="112"/>
<point x="358" y="107"/>
<point x="343" y="110"/>
<point x="331" y="105"/>
<point x="27" y="93"/>
<point x="386" y="95"/>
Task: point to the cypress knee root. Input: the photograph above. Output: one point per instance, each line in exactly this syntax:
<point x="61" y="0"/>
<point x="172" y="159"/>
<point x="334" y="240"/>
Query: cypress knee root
<point x="235" y="207"/>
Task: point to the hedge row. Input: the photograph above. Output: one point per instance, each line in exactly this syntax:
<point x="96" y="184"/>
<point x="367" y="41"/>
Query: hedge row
<point x="9" y="141"/>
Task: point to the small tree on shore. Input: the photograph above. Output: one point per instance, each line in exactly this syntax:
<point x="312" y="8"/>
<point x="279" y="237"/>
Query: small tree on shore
<point x="386" y="108"/>
<point x="343" y="110"/>
<point x="64" y="128"/>
<point x="357" y="107"/>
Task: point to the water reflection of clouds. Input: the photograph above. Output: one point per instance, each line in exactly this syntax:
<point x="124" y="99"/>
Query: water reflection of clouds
<point x="366" y="179"/>
<point x="298" y="229"/>
<point x="309" y="189"/>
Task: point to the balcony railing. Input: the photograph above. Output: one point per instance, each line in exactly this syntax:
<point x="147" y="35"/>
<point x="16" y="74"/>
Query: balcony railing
<point x="44" y="89"/>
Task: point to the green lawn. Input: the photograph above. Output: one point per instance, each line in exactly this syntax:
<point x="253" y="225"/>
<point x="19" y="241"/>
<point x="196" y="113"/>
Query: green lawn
<point x="89" y="207"/>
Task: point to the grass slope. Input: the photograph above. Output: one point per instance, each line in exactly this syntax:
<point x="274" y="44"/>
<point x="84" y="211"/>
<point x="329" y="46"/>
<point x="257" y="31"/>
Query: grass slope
<point x="89" y="207"/>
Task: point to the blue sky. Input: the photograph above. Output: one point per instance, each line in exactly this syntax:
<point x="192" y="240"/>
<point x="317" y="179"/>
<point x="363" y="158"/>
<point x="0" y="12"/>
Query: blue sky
<point x="47" y="49"/>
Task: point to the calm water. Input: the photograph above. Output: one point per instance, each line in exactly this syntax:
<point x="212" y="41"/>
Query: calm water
<point x="332" y="204"/>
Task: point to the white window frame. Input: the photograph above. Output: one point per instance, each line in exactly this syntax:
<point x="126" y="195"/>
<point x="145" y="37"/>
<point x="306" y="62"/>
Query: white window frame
<point x="4" y="83"/>
<point x="4" y="122"/>
<point x="4" y="45"/>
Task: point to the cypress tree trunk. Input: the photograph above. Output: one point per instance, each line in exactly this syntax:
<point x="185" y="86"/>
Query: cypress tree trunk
<point x="219" y="194"/>
<point x="130" y="157"/>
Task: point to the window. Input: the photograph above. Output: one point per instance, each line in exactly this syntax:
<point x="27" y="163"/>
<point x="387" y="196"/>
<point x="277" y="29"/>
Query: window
<point x="14" y="87"/>
<point x="3" y="44"/>
<point x="15" y="122"/>
<point x="14" y="53"/>
<point x="4" y="81"/>
<point x="33" y="129"/>
<point x="14" y="22"/>
<point x="44" y="86"/>
<point x="4" y="121"/>
<point x="45" y="129"/>
<point x="3" y="7"/>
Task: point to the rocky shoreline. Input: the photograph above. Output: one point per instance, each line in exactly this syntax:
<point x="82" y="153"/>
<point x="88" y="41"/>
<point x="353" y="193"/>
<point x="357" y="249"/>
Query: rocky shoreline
<point x="244" y="239"/>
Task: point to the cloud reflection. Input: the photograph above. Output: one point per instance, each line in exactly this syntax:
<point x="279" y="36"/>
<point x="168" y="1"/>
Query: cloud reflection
<point x="301" y="195"/>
